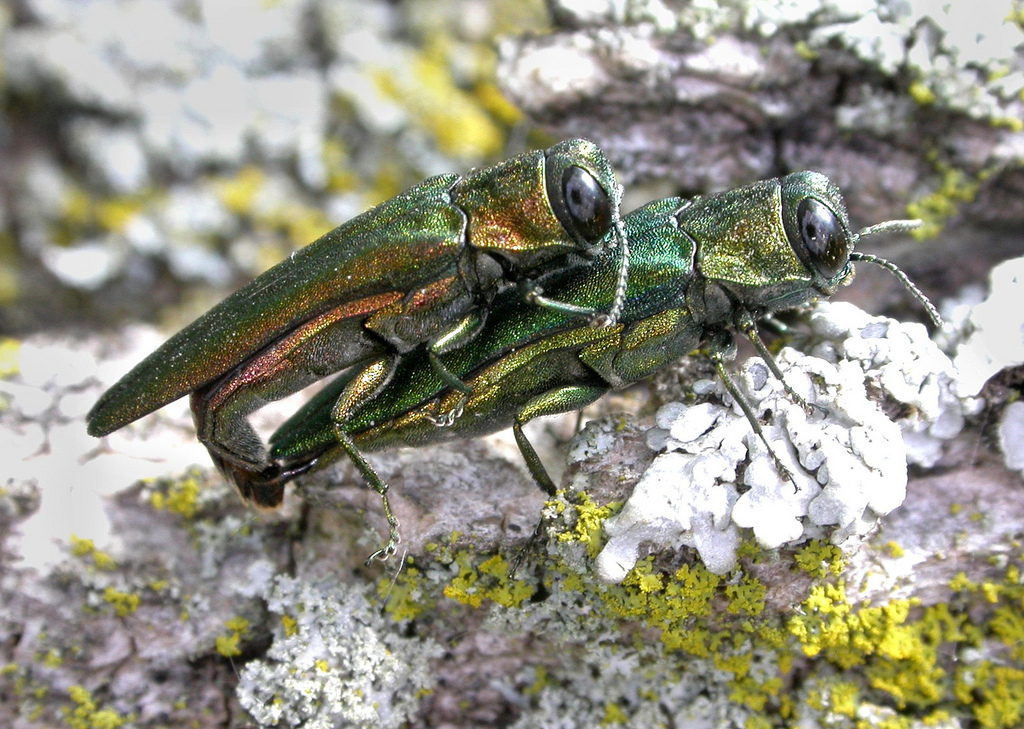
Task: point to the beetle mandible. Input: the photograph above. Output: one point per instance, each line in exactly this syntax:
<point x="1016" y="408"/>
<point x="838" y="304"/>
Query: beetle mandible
<point x="417" y="272"/>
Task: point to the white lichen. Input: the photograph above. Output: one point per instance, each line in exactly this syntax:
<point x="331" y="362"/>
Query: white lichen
<point x="899" y="360"/>
<point x="995" y="332"/>
<point x="334" y="662"/>
<point x="844" y="461"/>
<point x="1011" y="436"/>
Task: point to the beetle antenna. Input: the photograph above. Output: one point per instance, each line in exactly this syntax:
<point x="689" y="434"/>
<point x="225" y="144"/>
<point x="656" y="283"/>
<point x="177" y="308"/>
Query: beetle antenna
<point x="889" y="226"/>
<point x="620" y="286"/>
<point x="892" y="268"/>
<point x="896" y="226"/>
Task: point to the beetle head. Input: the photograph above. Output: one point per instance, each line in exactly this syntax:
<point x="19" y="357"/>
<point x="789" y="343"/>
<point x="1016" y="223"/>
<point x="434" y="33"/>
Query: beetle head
<point x="818" y="228"/>
<point x="582" y="189"/>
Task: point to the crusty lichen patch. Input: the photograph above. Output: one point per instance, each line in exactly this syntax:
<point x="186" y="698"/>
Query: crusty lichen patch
<point x="487" y="580"/>
<point x="724" y="648"/>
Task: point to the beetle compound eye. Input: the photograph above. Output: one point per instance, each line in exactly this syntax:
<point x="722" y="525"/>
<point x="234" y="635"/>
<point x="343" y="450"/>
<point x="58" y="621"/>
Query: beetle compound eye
<point x="822" y="237"/>
<point x="587" y="204"/>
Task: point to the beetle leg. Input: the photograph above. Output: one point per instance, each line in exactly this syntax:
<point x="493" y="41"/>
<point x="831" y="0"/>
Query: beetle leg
<point x="556" y="401"/>
<point x="457" y="336"/>
<point x="360" y="390"/>
<point x="718" y="355"/>
<point x="623" y="278"/>
<point x="534" y="294"/>
<point x="561" y="400"/>
<point x="234" y="446"/>
<point x="746" y="324"/>
<point x="773" y="324"/>
<point x="321" y="346"/>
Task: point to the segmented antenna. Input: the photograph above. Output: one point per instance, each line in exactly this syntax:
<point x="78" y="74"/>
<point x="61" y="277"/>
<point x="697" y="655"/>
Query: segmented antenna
<point x="889" y="226"/>
<point x="896" y="226"/>
<point x="620" y="286"/>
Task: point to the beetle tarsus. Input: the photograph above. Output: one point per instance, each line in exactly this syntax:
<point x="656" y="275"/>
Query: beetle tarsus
<point x="746" y="324"/>
<point x="382" y="554"/>
<point x="394" y="537"/>
<point x="447" y="420"/>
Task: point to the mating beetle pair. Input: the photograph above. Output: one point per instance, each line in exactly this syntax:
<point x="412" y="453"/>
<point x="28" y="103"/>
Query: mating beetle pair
<point x="540" y="323"/>
<point x="418" y="271"/>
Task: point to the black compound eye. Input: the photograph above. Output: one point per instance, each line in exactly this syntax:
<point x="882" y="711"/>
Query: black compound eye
<point x="823" y="237"/>
<point x="587" y="204"/>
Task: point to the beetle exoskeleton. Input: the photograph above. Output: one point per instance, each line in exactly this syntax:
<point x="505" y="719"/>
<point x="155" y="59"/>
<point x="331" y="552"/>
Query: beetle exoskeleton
<point x="418" y="271"/>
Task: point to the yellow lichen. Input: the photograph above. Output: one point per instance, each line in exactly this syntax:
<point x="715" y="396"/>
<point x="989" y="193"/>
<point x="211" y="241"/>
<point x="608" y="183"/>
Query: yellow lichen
<point x="895" y="657"/>
<point x="182" y="497"/>
<point x="934" y="209"/>
<point x="459" y="124"/>
<point x="590" y="517"/>
<point x="290" y="625"/>
<point x="961" y="583"/>
<point x="115" y="214"/>
<point x="995" y="694"/>
<point x="1014" y="124"/>
<point x="819" y="559"/>
<point x="488" y="581"/>
<point x="406" y="597"/>
<point x="228" y="645"/>
<point x="87" y="715"/>
<point x="843" y="697"/>
<point x="497" y="104"/>
<point x="10" y="350"/>
<point x="747" y="596"/>
<point x="613" y="714"/>
<point x="540" y="681"/>
<point x="87" y="548"/>
<point x="238" y="192"/>
<point x="805" y="51"/>
<point x="920" y="93"/>
<point x="340" y="174"/>
<point x="1007" y="625"/>
<point x="124" y="603"/>
<point x="894" y="549"/>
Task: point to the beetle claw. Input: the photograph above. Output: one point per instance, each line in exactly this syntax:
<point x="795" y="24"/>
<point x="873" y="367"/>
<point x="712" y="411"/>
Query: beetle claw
<point x="446" y="420"/>
<point x="382" y="554"/>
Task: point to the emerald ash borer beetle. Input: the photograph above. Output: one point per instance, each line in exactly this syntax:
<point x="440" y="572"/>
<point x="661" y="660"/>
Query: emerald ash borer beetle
<point x="699" y="270"/>
<point x="417" y="273"/>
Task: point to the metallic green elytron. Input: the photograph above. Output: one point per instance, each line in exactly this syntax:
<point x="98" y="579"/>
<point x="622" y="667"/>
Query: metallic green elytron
<point x="698" y="271"/>
<point x="417" y="273"/>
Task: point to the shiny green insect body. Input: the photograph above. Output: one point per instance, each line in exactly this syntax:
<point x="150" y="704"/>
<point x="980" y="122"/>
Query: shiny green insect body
<point x="699" y="270"/>
<point x="418" y="272"/>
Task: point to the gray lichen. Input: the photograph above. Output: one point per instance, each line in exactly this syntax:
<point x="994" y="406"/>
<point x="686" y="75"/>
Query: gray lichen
<point x="902" y="363"/>
<point x="887" y="98"/>
<point x="335" y="662"/>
